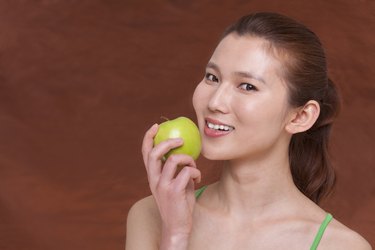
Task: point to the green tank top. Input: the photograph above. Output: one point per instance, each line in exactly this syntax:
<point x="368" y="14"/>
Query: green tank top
<point x="318" y="236"/>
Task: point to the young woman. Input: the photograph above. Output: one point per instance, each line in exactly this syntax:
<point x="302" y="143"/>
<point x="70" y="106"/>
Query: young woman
<point x="264" y="108"/>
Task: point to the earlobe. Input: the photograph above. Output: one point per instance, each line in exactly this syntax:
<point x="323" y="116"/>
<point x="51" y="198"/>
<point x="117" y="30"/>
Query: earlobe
<point x="303" y="118"/>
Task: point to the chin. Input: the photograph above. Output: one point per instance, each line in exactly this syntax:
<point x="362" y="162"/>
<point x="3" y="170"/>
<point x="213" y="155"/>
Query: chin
<point x="214" y="155"/>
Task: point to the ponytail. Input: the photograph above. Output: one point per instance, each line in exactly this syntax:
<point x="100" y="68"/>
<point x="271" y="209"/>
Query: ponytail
<point x="309" y="158"/>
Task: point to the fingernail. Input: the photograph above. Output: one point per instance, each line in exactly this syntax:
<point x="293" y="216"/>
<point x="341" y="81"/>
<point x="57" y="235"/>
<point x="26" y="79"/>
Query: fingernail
<point x="154" y="126"/>
<point x="179" y="140"/>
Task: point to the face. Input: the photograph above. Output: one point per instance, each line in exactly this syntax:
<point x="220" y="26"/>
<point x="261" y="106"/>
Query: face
<point x="242" y="89"/>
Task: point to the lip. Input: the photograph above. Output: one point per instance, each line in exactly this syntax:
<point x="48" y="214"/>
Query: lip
<point x="208" y="119"/>
<point x="215" y="133"/>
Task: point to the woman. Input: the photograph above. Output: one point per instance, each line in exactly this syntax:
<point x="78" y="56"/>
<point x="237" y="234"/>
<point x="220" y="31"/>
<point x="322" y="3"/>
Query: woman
<point x="265" y="108"/>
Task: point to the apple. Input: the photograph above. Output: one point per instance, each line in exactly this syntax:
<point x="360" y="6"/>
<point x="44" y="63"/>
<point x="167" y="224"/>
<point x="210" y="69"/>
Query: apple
<point x="181" y="127"/>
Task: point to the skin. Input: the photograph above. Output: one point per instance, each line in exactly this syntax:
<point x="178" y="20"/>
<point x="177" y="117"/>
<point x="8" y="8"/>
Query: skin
<point x="255" y="204"/>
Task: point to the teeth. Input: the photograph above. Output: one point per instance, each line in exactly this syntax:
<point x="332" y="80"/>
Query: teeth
<point x="221" y="127"/>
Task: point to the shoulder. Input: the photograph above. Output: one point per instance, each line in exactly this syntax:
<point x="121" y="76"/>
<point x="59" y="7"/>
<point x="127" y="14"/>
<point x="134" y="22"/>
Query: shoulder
<point x="146" y="207"/>
<point x="339" y="236"/>
<point x="143" y="225"/>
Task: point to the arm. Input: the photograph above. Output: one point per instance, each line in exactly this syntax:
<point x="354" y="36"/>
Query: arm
<point x="143" y="226"/>
<point x="144" y="229"/>
<point x="173" y="197"/>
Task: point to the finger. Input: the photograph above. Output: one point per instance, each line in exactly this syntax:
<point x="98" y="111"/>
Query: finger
<point x="148" y="141"/>
<point x="190" y="192"/>
<point x="170" y="166"/>
<point x="164" y="147"/>
<point x="186" y="174"/>
<point x="154" y="163"/>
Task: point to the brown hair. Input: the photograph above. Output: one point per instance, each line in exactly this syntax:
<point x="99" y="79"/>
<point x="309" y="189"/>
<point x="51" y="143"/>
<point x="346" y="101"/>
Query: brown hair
<point x="305" y="71"/>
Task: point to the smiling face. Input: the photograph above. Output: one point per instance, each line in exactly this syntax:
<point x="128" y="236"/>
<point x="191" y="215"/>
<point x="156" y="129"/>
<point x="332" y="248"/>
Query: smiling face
<point x="243" y="89"/>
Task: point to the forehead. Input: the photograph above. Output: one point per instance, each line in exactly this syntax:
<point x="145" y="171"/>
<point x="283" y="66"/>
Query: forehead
<point x="246" y="53"/>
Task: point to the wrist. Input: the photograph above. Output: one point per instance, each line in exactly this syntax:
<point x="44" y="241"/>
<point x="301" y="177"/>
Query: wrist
<point x="174" y="241"/>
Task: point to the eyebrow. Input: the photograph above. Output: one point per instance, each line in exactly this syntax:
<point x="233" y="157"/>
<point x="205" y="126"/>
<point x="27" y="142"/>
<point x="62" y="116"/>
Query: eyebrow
<point x="238" y="73"/>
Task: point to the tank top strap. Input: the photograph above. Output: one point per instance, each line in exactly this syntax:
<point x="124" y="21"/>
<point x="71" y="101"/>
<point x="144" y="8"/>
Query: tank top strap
<point x="199" y="191"/>
<point x="322" y="228"/>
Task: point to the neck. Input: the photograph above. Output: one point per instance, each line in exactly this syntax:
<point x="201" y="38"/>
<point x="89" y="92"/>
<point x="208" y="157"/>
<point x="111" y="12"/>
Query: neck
<point x="255" y="188"/>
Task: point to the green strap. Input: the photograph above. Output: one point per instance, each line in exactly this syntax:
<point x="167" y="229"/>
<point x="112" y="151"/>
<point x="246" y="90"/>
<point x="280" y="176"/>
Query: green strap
<point x="199" y="192"/>
<point x="322" y="228"/>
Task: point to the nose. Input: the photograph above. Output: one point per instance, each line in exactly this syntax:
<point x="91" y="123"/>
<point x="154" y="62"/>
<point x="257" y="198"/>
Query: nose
<point x="220" y="99"/>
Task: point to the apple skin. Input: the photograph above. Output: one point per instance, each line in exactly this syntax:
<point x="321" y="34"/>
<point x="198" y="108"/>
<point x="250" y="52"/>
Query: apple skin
<point x="181" y="127"/>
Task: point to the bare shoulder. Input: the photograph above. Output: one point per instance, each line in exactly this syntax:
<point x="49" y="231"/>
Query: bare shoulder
<point x="339" y="236"/>
<point x="143" y="225"/>
<point x="145" y="207"/>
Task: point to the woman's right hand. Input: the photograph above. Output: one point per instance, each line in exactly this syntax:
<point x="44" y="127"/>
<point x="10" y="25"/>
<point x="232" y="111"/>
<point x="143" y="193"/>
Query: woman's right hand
<point x="174" y="196"/>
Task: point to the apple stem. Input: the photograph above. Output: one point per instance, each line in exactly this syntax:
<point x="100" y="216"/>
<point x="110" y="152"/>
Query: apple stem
<point x="165" y="118"/>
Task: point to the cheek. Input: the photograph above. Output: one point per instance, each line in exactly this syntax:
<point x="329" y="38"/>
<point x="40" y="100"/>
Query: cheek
<point x="199" y="97"/>
<point x="248" y="110"/>
<point x="260" y="114"/>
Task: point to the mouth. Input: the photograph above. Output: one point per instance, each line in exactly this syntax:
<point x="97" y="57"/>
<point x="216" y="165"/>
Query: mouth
<point x="218" y="125"/>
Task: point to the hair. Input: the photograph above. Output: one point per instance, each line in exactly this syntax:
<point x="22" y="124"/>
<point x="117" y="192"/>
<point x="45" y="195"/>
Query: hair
<point x="305" y="72"/>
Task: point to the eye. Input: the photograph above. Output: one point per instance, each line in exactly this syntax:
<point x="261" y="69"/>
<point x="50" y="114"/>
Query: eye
<point x="211" y="77"/>
<point x="248" y="86"/>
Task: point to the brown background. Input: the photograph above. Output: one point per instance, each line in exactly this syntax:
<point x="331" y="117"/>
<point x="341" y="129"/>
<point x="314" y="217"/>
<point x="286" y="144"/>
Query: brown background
<point x="81" y="81"/>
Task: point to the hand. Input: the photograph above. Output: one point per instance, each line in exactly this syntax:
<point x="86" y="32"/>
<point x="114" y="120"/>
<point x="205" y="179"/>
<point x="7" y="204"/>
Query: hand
<point x="174" y="196"/>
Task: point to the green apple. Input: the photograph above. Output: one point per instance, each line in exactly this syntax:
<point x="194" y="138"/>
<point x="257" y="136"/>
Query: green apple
<point x="184" y="128"/>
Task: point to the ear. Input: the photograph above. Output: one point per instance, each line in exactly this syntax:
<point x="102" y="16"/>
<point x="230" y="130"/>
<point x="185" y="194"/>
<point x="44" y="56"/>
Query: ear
<point x="303" y="118"/>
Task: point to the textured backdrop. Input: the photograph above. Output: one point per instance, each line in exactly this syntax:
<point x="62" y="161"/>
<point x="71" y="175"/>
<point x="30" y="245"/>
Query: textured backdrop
<point x="81" y="81"/>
